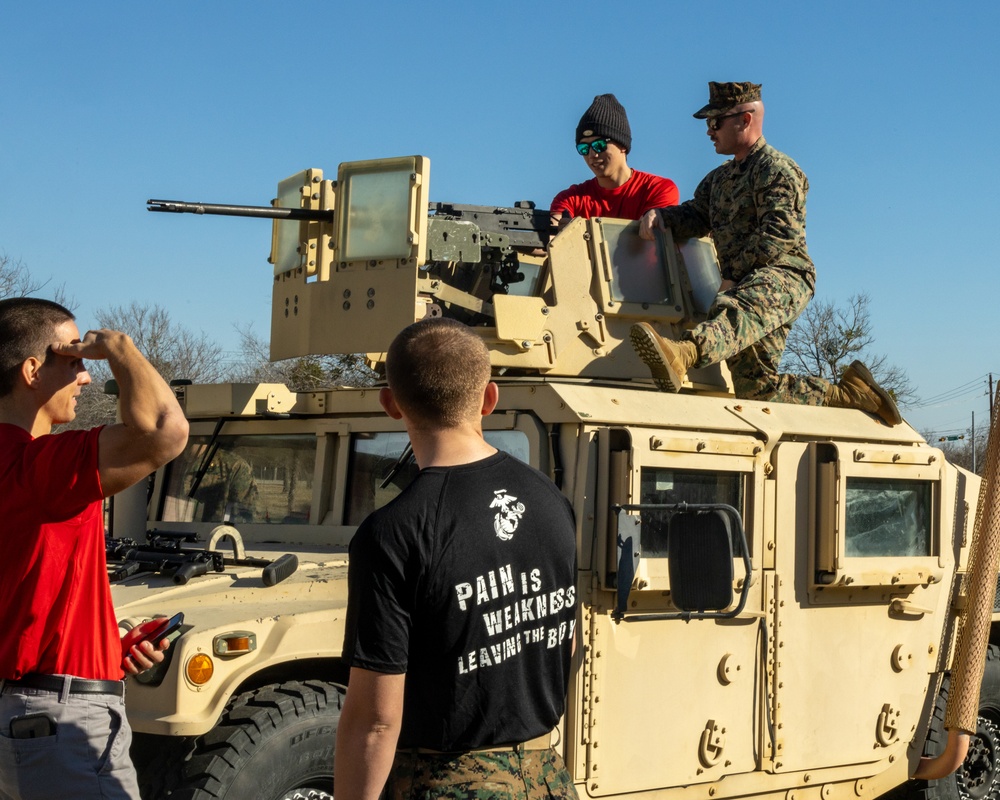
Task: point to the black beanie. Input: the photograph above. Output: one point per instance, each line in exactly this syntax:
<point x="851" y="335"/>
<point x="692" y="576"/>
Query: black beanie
<point x="606" y="117"/>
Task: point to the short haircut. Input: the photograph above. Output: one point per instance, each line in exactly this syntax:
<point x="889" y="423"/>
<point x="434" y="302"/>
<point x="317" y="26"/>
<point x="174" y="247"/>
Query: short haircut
<point x="27" y="328"/>
<point x="438" y="370"/>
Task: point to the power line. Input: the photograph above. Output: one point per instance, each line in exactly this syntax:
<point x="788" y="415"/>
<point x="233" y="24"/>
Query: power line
<point x="972" y="387"/>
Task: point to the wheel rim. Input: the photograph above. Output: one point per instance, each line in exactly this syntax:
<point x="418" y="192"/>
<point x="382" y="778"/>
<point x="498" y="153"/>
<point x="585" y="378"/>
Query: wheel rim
<point x="307" y="794"/>
<point x="978" y="777"/>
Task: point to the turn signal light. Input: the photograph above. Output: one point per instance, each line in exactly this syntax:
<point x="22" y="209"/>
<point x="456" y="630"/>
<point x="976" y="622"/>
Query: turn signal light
<point x="234" y="644"/>
<point x="200" y="669"/>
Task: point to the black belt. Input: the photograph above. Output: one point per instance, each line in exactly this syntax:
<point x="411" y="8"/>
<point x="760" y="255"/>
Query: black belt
<point x="54" y="683"/>
<point x="543" y="742"/>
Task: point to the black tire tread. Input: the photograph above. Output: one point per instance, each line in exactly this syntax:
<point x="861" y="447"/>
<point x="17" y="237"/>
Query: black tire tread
<point x="243" y="727"/>
<point x="159" y="762"/>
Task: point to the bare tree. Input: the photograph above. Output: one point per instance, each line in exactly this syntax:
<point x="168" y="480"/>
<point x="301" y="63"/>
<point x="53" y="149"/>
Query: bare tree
<point x="175" y="352"/>
<point x="16" y="280"/>
<point x="299" y="374"/>
<point x="827" y="338"/>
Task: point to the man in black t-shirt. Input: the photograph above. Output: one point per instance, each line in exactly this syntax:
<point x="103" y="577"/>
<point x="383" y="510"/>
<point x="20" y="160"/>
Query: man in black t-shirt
<point x="462" y="598"/>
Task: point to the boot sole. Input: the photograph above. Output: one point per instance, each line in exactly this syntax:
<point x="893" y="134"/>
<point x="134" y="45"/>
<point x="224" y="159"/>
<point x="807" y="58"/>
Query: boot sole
<point x="887" y="410"/>
<point x="652" y="355"/>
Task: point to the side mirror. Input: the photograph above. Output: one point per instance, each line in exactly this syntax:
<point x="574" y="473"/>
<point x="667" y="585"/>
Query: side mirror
<point x="700" y="549"/>
<point x="702" y="540"/>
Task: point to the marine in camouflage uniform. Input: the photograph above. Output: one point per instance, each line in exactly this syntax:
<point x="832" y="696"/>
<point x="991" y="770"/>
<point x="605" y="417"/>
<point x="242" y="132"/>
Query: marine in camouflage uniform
<point x="755" y="210"/>
<point x="754" y="207"/>
<point x="227" y="491"/>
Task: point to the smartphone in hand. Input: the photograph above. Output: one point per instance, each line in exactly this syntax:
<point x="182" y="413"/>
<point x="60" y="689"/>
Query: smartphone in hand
<point x="150" y="631"/>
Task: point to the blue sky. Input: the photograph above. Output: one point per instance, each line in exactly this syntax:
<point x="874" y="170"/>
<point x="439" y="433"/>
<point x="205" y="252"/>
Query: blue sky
<point x="886" y="106"/>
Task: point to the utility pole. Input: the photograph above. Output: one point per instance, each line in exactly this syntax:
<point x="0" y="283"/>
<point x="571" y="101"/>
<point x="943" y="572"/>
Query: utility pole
<point x="974" y="441"/>
<point x="991" y="401"/>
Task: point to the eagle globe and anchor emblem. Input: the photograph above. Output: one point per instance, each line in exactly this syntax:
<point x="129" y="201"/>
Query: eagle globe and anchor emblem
<point x="506" y="520"/>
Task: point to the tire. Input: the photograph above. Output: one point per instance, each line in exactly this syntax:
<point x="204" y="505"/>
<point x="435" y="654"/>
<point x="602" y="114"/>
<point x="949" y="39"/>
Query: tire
<point x="979" y="776"/>
<point x="274" y="743"/>
<point x="159" y="762"/>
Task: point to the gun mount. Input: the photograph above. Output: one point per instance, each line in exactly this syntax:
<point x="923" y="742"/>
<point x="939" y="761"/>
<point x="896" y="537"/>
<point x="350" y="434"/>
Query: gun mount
<point x="357" y="259"/>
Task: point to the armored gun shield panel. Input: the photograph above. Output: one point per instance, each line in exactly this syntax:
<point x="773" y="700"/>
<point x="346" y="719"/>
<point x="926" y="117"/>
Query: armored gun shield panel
<point x="355" y="285"/>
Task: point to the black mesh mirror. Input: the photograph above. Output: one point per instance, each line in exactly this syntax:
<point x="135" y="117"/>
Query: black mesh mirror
<point x="701" y="561"/>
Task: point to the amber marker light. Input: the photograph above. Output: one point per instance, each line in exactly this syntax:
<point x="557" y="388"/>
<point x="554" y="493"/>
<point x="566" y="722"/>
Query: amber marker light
<point x="199" y="669"/>
<point x="235" y="643"/>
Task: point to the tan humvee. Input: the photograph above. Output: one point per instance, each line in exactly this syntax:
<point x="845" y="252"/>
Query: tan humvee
<point x="790" y="638"/>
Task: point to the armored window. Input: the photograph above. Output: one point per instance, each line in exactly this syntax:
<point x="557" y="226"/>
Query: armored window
<point x="665" y="485"/>
<point x="877" y="513"/>
<point x="661" y="279"/>
<point x="638" y="271"/>
<point x="376" y="457"/>
<point x="887" y="518"/>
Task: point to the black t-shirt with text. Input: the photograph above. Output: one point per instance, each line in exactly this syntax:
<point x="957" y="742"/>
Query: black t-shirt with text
<point x="466" y="582"/>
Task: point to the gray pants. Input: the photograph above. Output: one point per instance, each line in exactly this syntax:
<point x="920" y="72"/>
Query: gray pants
<point x="86" y="758"/>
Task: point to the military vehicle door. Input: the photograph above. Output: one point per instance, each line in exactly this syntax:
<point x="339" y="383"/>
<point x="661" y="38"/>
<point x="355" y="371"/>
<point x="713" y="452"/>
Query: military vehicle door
<point x="856" y="599"/>
<point x="669" y="702"/>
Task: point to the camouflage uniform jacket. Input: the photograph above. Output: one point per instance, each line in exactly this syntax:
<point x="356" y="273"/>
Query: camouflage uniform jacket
<point x="755" y="210"/>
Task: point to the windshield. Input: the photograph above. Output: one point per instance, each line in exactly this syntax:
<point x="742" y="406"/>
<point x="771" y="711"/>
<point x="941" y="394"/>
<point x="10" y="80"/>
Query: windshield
<point x="260" y="479"/>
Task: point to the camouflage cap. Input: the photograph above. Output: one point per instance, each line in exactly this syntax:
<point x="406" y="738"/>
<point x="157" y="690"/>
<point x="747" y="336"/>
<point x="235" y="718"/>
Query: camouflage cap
<point x="724" y="96"/>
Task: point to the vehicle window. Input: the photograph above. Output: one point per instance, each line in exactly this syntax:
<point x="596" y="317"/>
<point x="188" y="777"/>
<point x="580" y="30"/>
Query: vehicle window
<point x="259" y="479"/>
<point x="374" y="454"/>
<point x="663" y="485"/>
<point x="887" y="518"/>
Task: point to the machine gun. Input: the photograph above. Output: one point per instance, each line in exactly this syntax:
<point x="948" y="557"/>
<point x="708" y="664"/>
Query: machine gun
<point x="474" y="251"/>
<point x="523" y="224"/>
<point x="489" y="236"/>
<point x="170" y="553"/>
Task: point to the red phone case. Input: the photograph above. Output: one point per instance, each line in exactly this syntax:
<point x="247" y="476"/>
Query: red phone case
<point x="150" y="631"/>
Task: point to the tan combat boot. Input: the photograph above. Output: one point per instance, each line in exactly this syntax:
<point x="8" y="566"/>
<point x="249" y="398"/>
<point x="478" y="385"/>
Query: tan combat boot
<point x="668" y="359"/>
<point x="857" y="389"/>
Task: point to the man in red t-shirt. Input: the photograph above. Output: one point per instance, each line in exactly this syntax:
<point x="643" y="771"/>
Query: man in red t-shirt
<point x="604" y="139"/>
<point x="63" y="730"/>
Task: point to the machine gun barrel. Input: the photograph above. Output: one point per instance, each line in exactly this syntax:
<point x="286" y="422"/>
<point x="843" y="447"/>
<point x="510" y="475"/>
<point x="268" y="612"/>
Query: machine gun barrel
<point x="269" y="212"/>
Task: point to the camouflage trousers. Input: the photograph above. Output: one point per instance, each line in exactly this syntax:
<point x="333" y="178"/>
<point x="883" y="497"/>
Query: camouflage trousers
<point x="491" y="775"/>
<point x="748" y="327"/>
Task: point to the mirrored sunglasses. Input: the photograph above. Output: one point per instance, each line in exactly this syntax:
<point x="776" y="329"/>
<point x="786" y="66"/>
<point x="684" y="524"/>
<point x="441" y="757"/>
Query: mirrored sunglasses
<point x="598" y="146"/>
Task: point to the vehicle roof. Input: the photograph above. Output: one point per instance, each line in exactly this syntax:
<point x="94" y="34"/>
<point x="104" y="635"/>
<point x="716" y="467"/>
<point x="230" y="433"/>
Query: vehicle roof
<point x="633" y="403"/>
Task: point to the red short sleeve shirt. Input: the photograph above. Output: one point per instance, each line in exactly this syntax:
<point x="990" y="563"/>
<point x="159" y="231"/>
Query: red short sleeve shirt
<point x="641" y="192"/>
<point x="55" y="599"/>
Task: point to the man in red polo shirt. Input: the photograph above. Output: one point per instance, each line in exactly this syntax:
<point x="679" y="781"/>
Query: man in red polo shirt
<point x="63" y="731"/>
<point x="604" y="139"/>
